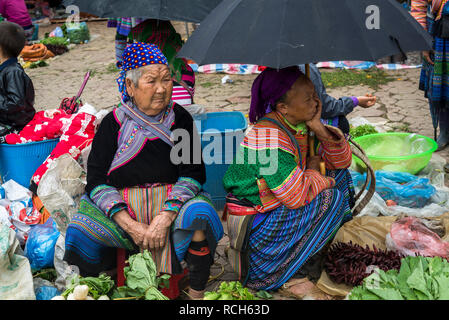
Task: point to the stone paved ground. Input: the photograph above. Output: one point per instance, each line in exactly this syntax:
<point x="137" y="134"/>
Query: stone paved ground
<point x="400" y="103"/>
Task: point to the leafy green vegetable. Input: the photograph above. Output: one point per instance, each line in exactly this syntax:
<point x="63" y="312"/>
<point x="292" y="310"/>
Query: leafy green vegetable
<point x="230" y="291"/>
<point x="37" y="64"/>
<point x="141" y="279"/>
<point x="55" y="41"/>
<point x="419" y="278"/>
<point x="98" y="286"/>
<point x="362" y="130"/>
<point x="264" y="294"/>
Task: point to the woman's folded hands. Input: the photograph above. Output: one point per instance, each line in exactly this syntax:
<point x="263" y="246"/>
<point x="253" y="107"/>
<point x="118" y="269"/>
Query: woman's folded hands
<point x="152" y="236"/>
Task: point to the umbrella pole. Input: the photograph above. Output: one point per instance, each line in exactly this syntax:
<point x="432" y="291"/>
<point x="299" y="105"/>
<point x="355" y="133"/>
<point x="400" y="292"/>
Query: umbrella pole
<point x="312" y="134"/>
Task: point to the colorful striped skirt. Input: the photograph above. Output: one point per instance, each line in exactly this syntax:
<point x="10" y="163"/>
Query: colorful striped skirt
<point x="282" y="240"/>
<point x="434" y="79"/>
<point x="92" y="238"/>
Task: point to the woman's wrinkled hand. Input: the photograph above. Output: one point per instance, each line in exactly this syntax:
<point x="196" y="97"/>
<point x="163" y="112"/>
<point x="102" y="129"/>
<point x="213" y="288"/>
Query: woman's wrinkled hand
<point x="157" y="231"/>
<point x="315" y="121"/>
<point x="137" y="232"/>
<point x="146" y="236"/>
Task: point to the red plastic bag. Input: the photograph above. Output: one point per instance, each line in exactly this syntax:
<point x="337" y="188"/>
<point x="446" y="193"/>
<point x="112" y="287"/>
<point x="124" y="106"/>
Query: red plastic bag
<point x="411" y="236"/>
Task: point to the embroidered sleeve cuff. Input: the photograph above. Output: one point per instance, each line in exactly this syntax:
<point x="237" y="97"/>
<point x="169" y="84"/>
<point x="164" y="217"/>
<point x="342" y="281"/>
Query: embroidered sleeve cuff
<point x="106" y="198"/>
<point x="185" y="189"/>
<point x="172" y="205"/>
<point x="117" y="208"/>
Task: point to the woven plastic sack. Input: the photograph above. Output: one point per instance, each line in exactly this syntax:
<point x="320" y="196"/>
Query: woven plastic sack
<point x="16" y="279"/>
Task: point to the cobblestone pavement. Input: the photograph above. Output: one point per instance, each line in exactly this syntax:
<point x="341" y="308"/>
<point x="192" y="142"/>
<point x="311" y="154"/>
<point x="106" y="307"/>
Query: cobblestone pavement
<point x="400" y="103"/>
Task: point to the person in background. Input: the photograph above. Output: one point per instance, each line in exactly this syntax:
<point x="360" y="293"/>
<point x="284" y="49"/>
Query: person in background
<point x="16" y="88"/>
<point x="123" y="27"/>
<point x="163" y="34"/>
<point x="333" y="107"/>
<point x="433" y="15"/>
<point x="16" y="11"/>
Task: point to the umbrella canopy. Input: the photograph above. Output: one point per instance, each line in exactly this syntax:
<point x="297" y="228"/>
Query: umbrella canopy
<point x="281" y="33"/>
<point x="181" y="10"/>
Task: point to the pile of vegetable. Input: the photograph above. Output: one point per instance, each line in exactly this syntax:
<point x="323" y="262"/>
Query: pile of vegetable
<point x="88" y="288"/>
<point x="234" y="290"/>
<point x="348" y="263"/>
<point x="362" y="130"/>
<point x="57" y="45"/>
<point x="56" y="41"/>
<point x="142" y="282"/>
<point x="419" y="278"/>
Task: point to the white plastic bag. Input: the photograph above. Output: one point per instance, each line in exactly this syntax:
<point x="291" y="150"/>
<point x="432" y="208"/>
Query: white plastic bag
<point x="377" y="206"/>
<point x="16" y="279"/>
<point x="19" y="205"/>
<point x="60" y="189"/>
<point x="16" y="192"/>
<point x="64" y="271"/>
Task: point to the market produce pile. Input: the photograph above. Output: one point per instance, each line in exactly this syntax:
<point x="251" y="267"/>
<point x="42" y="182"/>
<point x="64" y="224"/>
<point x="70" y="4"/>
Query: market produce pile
<point x="349" y="263"/>
<point x="234" y="290"/>
<point x="362" y="130"/>
<point x="142" y="283"/>
<point x="54" y="44"/>
<point x="419" y="278"/>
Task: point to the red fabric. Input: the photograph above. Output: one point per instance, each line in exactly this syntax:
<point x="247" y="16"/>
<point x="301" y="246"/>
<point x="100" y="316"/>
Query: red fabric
<point x="77" y="133"/>
<point x="46" y="124"/>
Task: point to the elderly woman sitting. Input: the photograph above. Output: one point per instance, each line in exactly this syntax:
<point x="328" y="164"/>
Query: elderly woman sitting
<point x="281" y="209"/>
<point x="138" y="194"/>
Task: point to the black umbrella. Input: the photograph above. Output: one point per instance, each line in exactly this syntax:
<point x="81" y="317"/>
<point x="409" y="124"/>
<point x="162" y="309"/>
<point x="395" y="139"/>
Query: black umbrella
<point x="181" y="10"/>
<point x="281" y="33"/>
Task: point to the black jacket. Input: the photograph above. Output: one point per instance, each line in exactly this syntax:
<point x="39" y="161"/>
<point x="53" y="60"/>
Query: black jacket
<point x="16" y="95"/>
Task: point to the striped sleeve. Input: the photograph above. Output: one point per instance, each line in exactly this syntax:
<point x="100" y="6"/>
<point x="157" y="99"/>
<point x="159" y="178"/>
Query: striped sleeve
<point x="108" y="199"/>
<point x="419" y="11"/>
<point x="336" y="154"/>
<point x="181" y="96"/>
<point x="188" y="76"/>
<point x="295" y="187"/>
<point x="185" y="189"/>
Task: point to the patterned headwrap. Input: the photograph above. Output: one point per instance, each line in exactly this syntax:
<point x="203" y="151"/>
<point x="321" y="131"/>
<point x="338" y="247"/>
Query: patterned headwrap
<point x="137" y="55"/>
<point x="268" y="88"/>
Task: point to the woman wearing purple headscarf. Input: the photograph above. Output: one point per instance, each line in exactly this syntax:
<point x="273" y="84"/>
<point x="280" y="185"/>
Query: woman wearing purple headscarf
<point x="281" y="209"/>
<point x="139" y="196"/>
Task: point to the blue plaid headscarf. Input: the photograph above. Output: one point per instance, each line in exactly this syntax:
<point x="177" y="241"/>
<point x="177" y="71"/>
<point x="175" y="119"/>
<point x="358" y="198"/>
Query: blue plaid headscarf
<point x="137" y="55"/>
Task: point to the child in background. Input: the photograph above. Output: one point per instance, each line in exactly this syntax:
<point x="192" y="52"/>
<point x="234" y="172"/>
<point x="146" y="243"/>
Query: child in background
<point x="16" y="88"/>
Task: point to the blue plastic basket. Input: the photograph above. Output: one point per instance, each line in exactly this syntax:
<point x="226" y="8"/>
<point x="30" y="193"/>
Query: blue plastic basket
<point x="229" y="128"/>
<point x="20" y="161"/>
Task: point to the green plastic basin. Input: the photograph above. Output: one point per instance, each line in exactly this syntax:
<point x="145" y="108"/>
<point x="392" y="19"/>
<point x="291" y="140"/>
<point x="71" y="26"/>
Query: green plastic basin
<point x="396" y="151"/>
